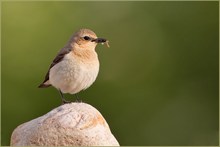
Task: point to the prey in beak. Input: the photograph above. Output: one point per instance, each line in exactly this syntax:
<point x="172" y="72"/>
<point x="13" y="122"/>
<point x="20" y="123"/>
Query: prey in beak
<point x="101" y="40"/>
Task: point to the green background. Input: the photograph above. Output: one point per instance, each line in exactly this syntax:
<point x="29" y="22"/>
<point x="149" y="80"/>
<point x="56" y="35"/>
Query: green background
<point x="157" y="85"/>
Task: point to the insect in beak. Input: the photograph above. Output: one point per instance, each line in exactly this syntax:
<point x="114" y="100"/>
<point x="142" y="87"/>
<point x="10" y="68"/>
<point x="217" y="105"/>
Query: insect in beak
<point x="102" y="41"/>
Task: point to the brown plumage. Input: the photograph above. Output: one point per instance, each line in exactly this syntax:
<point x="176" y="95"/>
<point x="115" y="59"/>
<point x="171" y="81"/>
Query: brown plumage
<point x="76" y="65"/>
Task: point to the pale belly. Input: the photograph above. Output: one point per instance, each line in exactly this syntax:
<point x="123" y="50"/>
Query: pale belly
<point x="71" y="76"/>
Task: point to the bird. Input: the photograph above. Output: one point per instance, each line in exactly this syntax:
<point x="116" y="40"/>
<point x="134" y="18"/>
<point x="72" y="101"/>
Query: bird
<point x="76" y="65"/>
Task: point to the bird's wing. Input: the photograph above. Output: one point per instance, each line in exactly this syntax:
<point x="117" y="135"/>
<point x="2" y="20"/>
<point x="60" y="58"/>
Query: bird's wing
<point x="56" y="60"/>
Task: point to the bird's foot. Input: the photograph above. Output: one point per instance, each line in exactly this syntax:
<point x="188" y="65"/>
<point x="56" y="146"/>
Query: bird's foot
<point x="65" y="101"/>
<point x="78" y="101"/>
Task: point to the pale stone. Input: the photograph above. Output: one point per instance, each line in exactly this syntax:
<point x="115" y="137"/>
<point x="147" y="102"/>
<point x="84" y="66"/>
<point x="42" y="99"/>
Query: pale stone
<point x="73" y="124"/>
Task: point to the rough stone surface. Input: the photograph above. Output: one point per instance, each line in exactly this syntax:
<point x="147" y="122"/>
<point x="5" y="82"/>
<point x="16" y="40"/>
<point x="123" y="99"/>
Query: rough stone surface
<point x="73" y="124"/>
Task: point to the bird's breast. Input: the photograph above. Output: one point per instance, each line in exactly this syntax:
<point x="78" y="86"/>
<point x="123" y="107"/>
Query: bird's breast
<point x="75" y="72"/>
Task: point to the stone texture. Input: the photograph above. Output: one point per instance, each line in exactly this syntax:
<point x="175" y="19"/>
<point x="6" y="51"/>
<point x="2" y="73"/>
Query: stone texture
<point x="73" y="124"/>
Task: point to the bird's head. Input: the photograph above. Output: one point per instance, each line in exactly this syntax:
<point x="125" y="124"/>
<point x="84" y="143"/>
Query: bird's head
<point x="86" y="39"/>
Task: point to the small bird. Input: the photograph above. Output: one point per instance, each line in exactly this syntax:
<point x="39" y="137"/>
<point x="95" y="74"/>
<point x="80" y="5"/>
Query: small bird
<point x="76" y="65"/>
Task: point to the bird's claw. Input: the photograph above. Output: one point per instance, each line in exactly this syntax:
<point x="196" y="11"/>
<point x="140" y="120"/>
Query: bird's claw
<point x="78" y="101"/>
<point x="65" y="101"/>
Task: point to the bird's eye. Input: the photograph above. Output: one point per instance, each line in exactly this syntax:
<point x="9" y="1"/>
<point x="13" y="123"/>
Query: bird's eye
<point x="87" y="38"/>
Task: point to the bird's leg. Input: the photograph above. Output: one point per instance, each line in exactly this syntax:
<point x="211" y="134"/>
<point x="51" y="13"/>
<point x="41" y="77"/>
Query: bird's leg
<point x="63" y="100"/>
<point x="77" y="98"/>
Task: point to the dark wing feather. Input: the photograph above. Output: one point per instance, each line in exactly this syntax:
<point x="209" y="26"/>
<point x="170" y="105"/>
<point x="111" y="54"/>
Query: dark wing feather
<point x="56" y="60"/>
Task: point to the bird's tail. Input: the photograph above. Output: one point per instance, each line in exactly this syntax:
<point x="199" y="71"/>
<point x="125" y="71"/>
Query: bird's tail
<point x="44" y="85"/>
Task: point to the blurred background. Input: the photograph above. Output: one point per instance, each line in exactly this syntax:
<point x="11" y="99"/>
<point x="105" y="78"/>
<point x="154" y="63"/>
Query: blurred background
<point x="158" y="82"/>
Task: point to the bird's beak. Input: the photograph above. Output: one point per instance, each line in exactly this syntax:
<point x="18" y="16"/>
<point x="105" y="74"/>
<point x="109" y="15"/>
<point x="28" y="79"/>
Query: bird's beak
<point x="99" y="40"/>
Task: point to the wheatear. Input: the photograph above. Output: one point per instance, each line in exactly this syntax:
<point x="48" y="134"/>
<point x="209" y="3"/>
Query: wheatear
<point x="76" y="66"/>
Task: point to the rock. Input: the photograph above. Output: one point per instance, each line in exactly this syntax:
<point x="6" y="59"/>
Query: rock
<point x="73" y="124"/>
